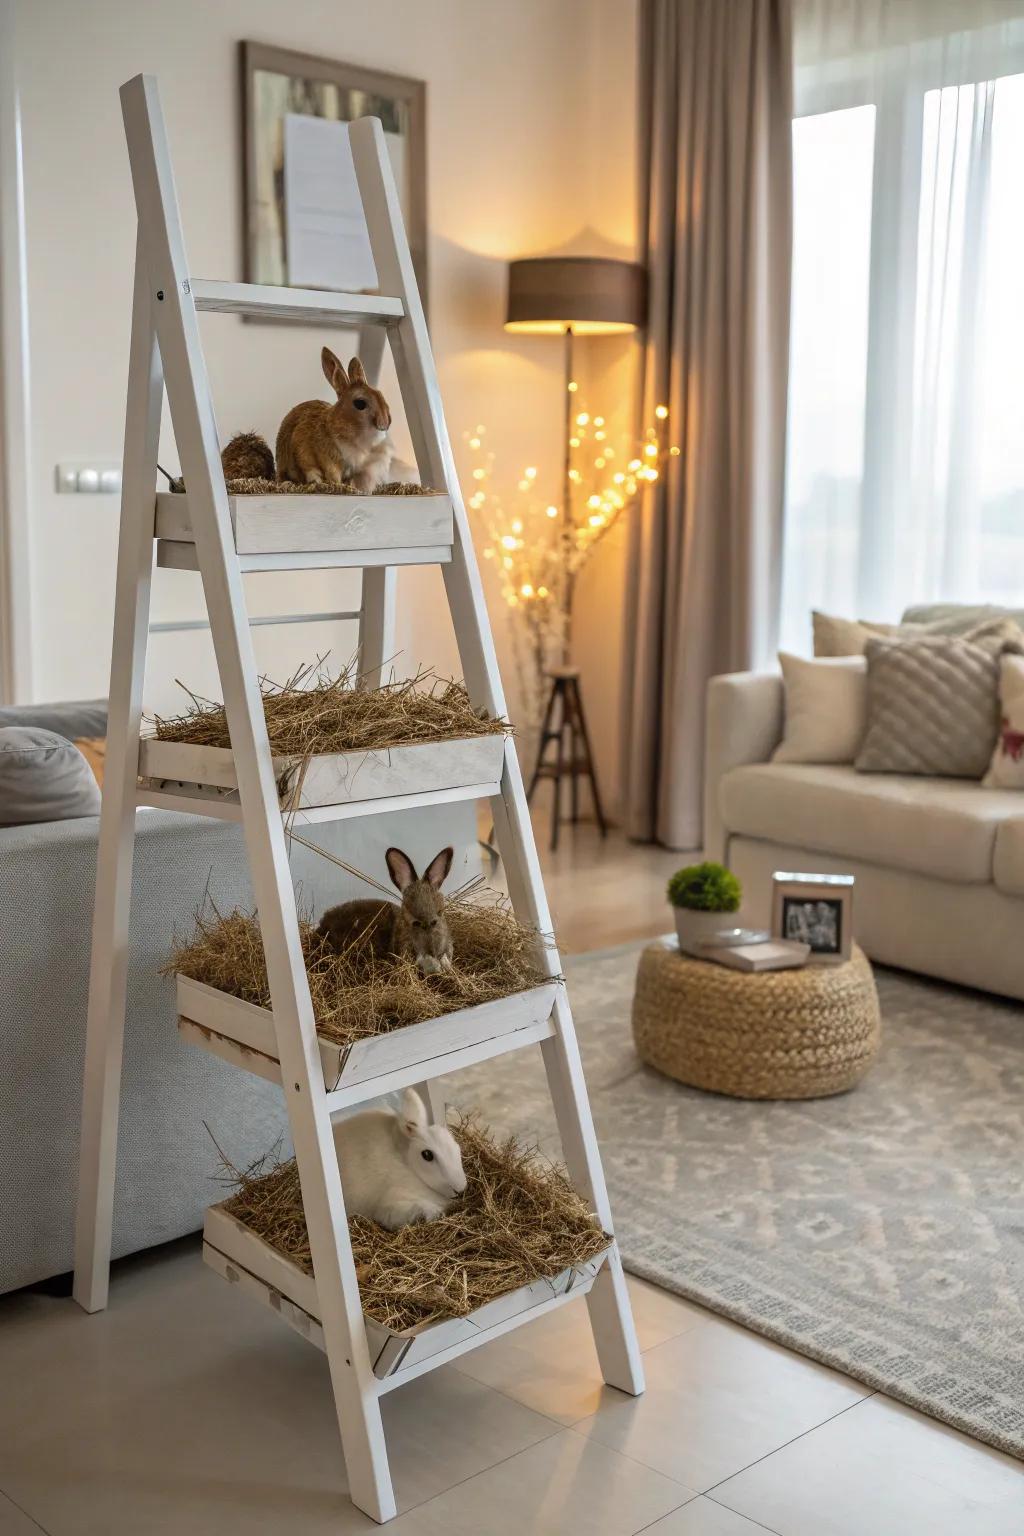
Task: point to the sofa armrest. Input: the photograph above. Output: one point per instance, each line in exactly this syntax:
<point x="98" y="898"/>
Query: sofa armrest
<point x="744" y="725"/>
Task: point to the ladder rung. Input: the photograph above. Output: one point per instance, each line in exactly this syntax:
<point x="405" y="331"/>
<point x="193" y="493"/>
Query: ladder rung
<point x="172" y="555"/>
<point x="194" y="800"/>
<point x="295" y="303"/>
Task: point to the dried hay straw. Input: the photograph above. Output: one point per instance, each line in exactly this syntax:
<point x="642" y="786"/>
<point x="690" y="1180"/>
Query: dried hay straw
<point x="519" y="1220"/>
<point x="313" y="712"/>
<point x="356" y="994"/>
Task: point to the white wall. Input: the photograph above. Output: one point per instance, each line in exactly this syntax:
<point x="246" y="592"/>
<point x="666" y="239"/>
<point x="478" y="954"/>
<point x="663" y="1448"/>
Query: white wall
<point x="530" y="144"/>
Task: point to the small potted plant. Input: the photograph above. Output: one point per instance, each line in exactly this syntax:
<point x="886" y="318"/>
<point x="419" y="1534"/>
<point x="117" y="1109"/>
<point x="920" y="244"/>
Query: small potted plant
<point x="701" y="895"/>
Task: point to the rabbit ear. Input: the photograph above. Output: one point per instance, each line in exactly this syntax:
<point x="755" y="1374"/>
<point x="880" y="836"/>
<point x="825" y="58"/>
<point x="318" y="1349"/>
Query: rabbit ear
<point x="400" y="868"/>
<point x="334" y="373"/>
<point x="355" y="372"/>
<point x="439" y="868"/>
<point x="412" y="1113"/>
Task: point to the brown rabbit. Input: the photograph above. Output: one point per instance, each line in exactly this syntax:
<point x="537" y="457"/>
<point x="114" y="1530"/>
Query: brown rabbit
<point x="416" y="929"/>
<point x="345" y="441"/>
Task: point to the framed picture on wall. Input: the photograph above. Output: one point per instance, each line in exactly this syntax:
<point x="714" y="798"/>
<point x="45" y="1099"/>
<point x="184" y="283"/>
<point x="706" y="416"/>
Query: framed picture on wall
<point x="303" y="219"/>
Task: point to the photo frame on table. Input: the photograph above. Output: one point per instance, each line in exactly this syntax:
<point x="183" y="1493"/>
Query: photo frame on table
<point x="303" y="218"/>
<point x="816" y="910"/>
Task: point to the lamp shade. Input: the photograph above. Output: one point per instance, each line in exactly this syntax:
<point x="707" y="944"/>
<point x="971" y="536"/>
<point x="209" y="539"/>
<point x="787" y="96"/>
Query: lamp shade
<point x="595" y="295"/>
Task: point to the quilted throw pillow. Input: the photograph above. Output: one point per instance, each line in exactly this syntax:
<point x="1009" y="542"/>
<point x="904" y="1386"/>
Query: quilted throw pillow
<point x="1006" y="770"/>
<point x="933" y="706"/>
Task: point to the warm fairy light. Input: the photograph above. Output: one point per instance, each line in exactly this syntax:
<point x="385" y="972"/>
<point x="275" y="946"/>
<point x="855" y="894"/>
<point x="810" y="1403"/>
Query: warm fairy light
<point x="618" y="477"/>
<point x="478" y="474"/>
<point x="507" y="563"/>
<point x="542" y="592"/>
<point x="575" y="475"/>
<point x="675" y="452"/>
<point x="599" y="463"/>
<point x="480" y="431"/>
<point x="593" y="501"/>
<point x="572" y="386"/>
<point x="598" y="421"/>
<point x="526" y="590"/>
<point x="552" y="511"/>
<point x="530" y="472"/>
<point x="634" y="465"/>
<point x="650" y="449"/>
<point x="661" y="411"/>
<point x="524" y="485"/>
<point x="474" y="442"/>
<point x="582" y="419"/>
<point x="599" y="437"/>
<point x="508" y="542"/>
<point x="517" y="525"/>
<point x="574" y="442"/>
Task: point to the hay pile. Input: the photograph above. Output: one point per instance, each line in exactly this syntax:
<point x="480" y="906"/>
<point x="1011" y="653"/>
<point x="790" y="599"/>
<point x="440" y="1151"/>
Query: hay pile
<point x="356" y="995"/>
<point x="314" y="712"/>
<point x="519" y="1219"/>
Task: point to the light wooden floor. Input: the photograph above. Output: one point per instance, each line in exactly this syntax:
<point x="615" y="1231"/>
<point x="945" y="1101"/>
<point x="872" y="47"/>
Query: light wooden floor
<point x="182" y="1409"/>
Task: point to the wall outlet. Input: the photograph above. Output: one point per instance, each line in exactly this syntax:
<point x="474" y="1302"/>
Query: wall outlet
<point x="91" y="477"/>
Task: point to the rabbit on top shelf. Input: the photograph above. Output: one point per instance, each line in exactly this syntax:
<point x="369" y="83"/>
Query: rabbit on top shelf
<point x="417" y="928"/>
<point x="344" y="441"/>
<point x="395" y="1166"/>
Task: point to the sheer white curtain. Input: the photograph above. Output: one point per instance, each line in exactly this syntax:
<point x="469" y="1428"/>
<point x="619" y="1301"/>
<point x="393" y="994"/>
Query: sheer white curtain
<point x="905" y="456"/>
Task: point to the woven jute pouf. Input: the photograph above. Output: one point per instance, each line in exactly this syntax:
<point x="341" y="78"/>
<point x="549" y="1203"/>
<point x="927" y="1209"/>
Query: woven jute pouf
<point x="797" y="1034"/>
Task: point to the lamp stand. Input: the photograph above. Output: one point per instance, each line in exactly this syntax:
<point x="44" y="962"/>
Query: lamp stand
<point x="564" y="722"/>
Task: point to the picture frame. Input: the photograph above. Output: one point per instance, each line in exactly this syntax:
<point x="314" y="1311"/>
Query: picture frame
<point x="302" y="220"/>
<point x="815" y="909"/>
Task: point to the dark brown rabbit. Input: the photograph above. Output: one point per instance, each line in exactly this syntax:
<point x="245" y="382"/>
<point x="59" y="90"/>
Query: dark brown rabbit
<point x="416" y="929"/>
<point x="248" y="457"/>
<point x="345" y="441"/>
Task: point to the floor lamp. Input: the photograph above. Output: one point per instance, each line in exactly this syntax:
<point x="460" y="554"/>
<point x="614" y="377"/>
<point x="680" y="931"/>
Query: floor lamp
<point x="571" y="296"/>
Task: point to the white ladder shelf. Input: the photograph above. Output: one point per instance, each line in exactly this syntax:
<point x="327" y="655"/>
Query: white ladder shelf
<point x="221" y="537"/>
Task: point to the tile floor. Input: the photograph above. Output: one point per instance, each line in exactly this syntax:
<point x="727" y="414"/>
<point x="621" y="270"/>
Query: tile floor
<point x="182" y="1409"/>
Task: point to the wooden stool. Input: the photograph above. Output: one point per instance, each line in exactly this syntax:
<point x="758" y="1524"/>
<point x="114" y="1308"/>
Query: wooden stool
<point x="573" y="759"/>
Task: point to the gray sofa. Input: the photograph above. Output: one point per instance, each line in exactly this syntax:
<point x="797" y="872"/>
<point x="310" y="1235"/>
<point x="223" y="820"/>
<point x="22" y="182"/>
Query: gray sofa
<point x="939" y="863"/>
<point x="167" y="1165"/>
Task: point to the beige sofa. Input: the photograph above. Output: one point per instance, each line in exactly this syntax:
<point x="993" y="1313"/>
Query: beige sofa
<point x="939" y="863"/>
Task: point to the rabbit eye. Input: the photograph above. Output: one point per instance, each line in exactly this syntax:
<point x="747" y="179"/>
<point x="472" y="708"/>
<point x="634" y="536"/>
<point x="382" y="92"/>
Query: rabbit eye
<point x="433" y="922"/>
<point x="360" y="405"/>
<point x="428" y="1156"/>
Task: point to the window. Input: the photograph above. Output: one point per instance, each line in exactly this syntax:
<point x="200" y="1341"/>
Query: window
<point x="905" y="455"/>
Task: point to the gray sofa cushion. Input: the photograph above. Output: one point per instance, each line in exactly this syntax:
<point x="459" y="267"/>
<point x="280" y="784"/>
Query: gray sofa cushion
<point x="933" y="706"/>
<point x="71" y="720"/>
<point x="43" y="777"/>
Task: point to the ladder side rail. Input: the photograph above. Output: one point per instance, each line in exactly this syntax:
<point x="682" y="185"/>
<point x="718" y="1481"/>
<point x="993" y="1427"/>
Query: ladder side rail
<point x="108" y="973"/>
<point x="302" y="1074"/>
<point x="377" y="623"/>
<point x="610" y="1312"/>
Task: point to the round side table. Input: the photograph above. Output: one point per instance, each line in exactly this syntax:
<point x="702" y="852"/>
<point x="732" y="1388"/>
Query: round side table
<point x="797" y="1034"/>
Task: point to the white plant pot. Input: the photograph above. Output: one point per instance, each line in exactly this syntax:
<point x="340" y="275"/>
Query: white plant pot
<point x="693" y="928"/>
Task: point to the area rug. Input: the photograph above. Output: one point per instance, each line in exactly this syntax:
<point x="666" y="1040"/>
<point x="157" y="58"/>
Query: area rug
<point x="880" y="1232"/>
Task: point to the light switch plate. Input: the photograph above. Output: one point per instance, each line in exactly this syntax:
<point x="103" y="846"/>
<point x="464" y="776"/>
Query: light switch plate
<point x="90" y="477"/>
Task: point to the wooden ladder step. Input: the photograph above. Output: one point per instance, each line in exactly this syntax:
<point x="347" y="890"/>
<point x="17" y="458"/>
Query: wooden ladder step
<point x="309" y="304"/>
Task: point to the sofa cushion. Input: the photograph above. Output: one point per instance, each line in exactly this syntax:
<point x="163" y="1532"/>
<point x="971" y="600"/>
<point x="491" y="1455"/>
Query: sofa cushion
<point x="941" y="827"/>
<point x="85" y="718"/>
<point x="43" y="777"/>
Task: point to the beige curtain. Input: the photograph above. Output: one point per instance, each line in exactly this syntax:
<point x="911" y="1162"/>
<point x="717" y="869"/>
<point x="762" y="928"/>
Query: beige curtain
<point x="705" y="550"/>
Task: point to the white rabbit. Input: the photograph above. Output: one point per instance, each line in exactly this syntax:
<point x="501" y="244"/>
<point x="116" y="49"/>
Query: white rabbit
<point x="396" y="1167"/>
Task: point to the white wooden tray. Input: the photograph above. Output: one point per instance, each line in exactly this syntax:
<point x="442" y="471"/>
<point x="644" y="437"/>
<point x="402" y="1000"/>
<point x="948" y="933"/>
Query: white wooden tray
<point x="236" y="1253"/>
<point x="328" y="779"/>
<point x="244" y="1033"/>
<point x="295" y="524"/>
